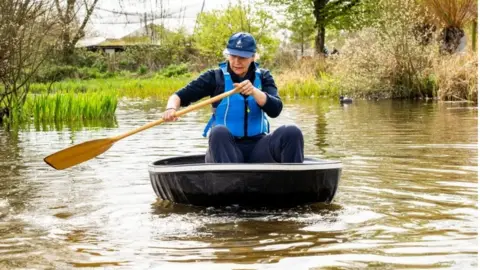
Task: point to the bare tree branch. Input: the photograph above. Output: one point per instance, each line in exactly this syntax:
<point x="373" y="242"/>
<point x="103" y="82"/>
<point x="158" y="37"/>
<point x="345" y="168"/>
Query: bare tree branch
<point x="26" y="36"/>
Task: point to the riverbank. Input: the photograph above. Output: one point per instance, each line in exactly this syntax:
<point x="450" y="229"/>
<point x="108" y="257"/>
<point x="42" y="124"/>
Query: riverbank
<point x="443" y="77"/>
<point x="96" y="97"/>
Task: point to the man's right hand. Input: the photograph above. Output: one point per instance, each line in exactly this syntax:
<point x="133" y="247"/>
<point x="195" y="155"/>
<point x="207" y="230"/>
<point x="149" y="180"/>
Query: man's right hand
<point x="169" y="115"/>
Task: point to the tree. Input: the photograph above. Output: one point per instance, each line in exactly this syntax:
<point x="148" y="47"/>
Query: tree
<point x="324" y="12"/>
<point x="452" y="15"/>
<point x="27" y="36"/>
<point x="301" y="23"/>
<point x="215" y="27"/>
<point x="73" y="30"/>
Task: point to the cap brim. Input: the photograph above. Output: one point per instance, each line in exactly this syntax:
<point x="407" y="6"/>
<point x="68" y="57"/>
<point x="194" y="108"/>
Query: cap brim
<point x="239" y="53"/>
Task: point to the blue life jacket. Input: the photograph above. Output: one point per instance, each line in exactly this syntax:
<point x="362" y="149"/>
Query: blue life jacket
<point x="241" y="115"/>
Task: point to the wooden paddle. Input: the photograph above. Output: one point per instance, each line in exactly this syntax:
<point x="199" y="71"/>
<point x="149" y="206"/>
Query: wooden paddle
<point x="79" y="153"/>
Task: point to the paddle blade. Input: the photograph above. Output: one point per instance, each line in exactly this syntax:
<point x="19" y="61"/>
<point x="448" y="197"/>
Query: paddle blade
<point x="79" y="153"/>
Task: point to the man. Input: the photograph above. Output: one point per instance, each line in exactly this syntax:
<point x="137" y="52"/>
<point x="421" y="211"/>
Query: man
<point x="239" y="128"/>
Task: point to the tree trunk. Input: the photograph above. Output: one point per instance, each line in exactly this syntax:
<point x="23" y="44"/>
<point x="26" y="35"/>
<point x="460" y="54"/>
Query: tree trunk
<point x="474" y="36"/>
<point x="320" y="40"/>
<point x="320" y="20"/>
<point x="67" y="48"/>
<point x="451" y="38"/>
<point x="71" y="33"/>
<point x="303" y="44"/>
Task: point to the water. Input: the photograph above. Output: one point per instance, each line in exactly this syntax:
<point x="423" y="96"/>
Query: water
<point x="407" y="197"/>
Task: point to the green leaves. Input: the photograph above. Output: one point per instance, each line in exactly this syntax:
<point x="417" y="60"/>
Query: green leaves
<point x="306" y="17"/>
<point x="215" y="27"/>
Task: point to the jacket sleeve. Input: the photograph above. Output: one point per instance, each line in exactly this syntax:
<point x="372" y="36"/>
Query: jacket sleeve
<point x="274" y="105"/>
<point x="197" y="89"/>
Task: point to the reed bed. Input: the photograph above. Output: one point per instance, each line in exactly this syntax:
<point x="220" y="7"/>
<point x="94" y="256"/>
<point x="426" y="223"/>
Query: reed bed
<point x="307" y="78"/>
<point x="293" y="83"/>
<point x="96" y="99"/>
<point x="461" y="82"/>
<point x="63" y="106"/>
<point x="125" y="87"/>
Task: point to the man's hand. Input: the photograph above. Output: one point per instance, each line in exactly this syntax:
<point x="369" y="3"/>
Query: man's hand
<point x="169" y="115"/>
<point x="172" y="105"/>
<point x="247" y="88"/>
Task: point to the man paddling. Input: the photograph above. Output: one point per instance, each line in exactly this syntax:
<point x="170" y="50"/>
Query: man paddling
<point x="239" y="128"/>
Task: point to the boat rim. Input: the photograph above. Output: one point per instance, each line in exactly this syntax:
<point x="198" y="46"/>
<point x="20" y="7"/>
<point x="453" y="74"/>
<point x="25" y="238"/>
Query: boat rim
<point x="211" y="167"/>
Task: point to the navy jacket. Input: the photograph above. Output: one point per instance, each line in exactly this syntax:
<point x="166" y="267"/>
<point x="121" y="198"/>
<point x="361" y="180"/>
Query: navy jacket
<point x="206" y="85"/>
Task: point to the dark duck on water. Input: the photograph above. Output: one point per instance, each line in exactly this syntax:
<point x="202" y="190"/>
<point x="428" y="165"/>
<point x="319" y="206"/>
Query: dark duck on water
<point x="344" y="100"/>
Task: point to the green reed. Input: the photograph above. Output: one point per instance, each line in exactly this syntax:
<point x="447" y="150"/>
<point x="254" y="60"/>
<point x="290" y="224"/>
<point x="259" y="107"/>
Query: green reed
<point x="290" y="84"/>
<point x="125" y="87"/>
<point x="308" y="86"/>
<point x="63" y="106"/>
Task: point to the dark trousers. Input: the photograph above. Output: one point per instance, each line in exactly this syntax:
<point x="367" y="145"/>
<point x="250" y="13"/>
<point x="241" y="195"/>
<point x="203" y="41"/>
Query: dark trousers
<point x="284" y="145"/>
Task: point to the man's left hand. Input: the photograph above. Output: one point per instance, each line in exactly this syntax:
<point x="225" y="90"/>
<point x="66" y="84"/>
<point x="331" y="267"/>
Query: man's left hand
<point x="247" y="88"/>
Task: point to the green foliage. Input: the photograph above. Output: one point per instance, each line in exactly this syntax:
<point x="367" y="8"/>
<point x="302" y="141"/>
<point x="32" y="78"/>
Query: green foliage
<point x="303" y="28"/>
<point x="301" y="22"/>
<point x="27" y="39"/>
<point x="325" y="13"/>
<point x="151" y="56"/>
<point x="159" y="86"/>
<point x="175" y="48"/>
<point x="306" y="88"/>
<point x="174" y="71"/>
<point x="54" y="73"/>
<point x="84" y="58"/>
<point x="141" y="55"/>
<point x="381" y="56"/>
<point x="386" y="60"/>
<point x="335" y="11"/>
<point x="215" y="27"/>
<point x="361" y="15"/>
<point x="325" y="86"/>
<point x="64" y="106"/>
<point x="142" y="70"/>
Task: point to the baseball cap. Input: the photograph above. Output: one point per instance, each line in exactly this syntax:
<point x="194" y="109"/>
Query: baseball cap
<point x="241" y="44"/>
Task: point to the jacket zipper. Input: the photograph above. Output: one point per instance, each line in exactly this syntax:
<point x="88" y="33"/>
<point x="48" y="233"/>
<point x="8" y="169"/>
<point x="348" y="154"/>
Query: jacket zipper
<point x="245" y="120"/>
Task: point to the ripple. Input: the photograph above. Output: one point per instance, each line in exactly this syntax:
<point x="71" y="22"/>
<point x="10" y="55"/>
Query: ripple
<point x="407" y="197"/>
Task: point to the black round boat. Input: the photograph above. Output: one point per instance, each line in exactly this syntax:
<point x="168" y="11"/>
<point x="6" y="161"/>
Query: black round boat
<point x="189" y="180"/>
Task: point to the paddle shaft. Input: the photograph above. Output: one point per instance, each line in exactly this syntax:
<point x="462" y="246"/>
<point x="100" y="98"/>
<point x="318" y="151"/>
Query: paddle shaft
<point x="79" y="153"/>
<point x="177" y="114"/>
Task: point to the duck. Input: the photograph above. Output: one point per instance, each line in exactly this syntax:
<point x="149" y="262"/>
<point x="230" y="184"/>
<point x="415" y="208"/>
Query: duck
<point x="344" y="100"/>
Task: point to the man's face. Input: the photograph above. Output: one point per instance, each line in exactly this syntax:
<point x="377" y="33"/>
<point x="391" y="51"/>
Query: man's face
<point x="239" y="65"/>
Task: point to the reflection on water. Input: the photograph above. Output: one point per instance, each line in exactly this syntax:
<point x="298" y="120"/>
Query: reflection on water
<point x="407" y="197"/>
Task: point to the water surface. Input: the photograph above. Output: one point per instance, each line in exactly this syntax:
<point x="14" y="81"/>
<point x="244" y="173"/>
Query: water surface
<point x="407" y="197"/>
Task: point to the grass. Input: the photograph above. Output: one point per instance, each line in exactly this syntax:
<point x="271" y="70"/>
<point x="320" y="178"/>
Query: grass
<point x="307" y="78"/>
<point x="65" y="106"/>
<point x="71" y="106"/>
<point x="81" y="100"/>
<point x="125" y="87"/>
<point x="294" y="83"/>
<point x="459" y="83"/>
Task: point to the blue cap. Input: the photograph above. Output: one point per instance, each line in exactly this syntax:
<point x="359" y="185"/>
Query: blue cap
<point x="241" y="44"/>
